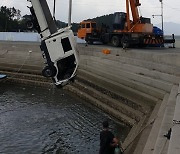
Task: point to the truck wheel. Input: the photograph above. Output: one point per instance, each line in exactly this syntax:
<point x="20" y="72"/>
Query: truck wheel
<point x="29" y="25"/>
<point x="90" y="42"/>
<point x="103" y="41"/>
<point x="88" y="39"/>
<point x="115" y="41"/>
<point x="49" y="71"/>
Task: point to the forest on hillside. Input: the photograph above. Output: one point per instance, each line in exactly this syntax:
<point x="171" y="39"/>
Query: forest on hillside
<point x="12" y="21"/>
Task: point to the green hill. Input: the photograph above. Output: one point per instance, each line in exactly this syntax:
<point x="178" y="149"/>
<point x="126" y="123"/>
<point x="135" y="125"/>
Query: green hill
<point x="105" y="19"/>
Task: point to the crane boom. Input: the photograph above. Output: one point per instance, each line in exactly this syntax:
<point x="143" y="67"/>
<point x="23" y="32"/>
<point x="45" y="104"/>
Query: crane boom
<point x="135" y="14"/>
<point x="44" y="17"/>
<point x="138" y="24"/>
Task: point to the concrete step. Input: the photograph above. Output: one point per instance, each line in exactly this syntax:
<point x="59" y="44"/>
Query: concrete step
<point x="150" y="144"/>
<point x="162" y="56"/>
<point x="122" y="117"/>
<point x="127" y="81"/>
<point x="161" y="145"/>
<point x="22" y="57"/>
<point x="98" y="68"/>
<point x="134" y="69"/>
<point x="159" y="56"/>
<point x="115" y="104"/>
<point x="21" y="69"/>
<point x="27" y="76"/>
<point x="169" y="69"/>
<point x="122" y="83"/>
<point x="19" y="46"/>
<point x="28" y="82"/>
<point x="145" y="129"/>
<point x="91" y="83"/>
<point x="19" y="61"/>
<point x="174" y="146"/>
<point x="143" y="101"/>
<point x="27" y="79"/>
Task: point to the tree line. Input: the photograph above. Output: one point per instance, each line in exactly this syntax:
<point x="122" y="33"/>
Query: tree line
<point x="12" y="21"/>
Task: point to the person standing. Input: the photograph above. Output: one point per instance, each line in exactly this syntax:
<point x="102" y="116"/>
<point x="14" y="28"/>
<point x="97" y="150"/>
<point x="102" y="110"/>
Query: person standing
<point x="107" y="140"/>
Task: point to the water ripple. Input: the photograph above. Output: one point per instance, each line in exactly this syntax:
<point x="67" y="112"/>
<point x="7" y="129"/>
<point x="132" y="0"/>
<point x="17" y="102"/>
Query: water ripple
<point x="34" y="120"/>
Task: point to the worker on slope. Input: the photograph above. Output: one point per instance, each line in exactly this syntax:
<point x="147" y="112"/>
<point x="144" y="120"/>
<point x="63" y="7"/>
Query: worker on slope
<point x="108" y="142"/>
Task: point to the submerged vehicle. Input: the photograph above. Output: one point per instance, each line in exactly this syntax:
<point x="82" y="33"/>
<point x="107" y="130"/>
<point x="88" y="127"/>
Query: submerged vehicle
<point x="57" y="45"/>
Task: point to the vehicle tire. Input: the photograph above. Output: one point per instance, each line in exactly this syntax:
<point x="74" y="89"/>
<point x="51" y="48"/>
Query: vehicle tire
<point x="115" y="41"/>
<point x="90" y="42"/>
<point x="29" y="25"/>
<point x="103" y="41"/>
<point x="49" y="71"/>
<point x="88" y="39"/>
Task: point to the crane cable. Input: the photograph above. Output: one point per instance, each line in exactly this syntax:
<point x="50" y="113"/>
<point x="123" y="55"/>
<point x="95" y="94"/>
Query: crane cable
<point x="140" y="14"/>
<point x="54" y="9"/>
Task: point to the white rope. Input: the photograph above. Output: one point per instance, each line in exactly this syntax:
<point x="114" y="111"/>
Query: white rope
<point x="4" y="53"/>
<point x="19" y="69"/>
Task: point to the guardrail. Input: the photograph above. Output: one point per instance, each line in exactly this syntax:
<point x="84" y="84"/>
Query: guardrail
<point x="19" y="36"/>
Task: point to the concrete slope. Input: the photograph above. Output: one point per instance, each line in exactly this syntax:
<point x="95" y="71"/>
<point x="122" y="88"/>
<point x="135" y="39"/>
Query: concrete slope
<point x="141" y="100"/>
<point x="151" y="141"/>
<point x="174" y="146"/>
<point x="128" y="75"/>
<point x="151" y="65"/>
<point x="113" y="69"/>
<point x="161" y="145"/>
<point x="122" y="117"/>
<point x="107" y="99"/>
<point x="21" y="68"/>
<point x="128" y="83"/>
<point x="155" y="55"/>
<point x="164" y="76"/>
<point x="27" y="79"/>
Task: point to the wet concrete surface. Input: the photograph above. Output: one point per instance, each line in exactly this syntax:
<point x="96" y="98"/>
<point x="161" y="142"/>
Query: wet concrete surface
<point x="34" y="120"/>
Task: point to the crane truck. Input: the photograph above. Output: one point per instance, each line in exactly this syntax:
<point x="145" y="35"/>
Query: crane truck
<point x="57" y="45"/>
<point x="124" y="32"/>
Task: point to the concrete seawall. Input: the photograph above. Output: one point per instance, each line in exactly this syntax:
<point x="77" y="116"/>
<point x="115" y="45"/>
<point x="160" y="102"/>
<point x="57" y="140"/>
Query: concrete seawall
<point x="137" y="86"/>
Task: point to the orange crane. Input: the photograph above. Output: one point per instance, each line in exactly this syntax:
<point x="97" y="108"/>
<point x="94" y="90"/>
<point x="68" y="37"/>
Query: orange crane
<point x="137" y="25"/>
<point x="126" y="32"/>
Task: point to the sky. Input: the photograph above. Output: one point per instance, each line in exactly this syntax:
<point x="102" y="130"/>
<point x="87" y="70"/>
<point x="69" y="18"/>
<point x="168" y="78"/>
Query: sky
<point x="84" y="9"/>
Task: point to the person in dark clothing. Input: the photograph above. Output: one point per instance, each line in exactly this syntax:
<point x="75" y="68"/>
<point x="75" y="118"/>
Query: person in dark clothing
<point x="107" y="140"/>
